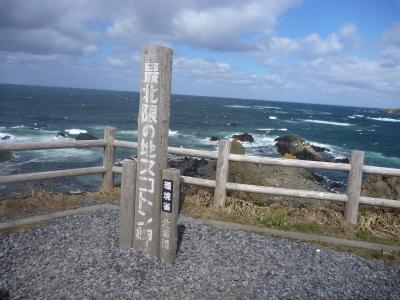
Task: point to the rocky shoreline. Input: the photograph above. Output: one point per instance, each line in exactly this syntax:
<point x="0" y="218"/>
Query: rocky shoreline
<point x="289" y="146"/>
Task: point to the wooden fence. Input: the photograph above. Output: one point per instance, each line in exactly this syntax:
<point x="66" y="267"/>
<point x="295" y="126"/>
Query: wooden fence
<point x="352" y="198"/>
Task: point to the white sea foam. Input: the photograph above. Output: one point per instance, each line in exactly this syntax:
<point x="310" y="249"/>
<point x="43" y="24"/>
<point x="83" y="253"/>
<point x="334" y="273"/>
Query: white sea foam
<point x="252" y="106"/>
<point x="75" y="131"/>
<point x="272" y="107"/>
<point x="59" y="155"/>
<point x="384" y="119"/>
<point x="173" y="132"/>
<point x="272" y="118"/>
<point x="4" y="135"/>
<point x="238" y="106"/>
<point x="327" y="122"/>
<point x="18" y="127"/>
<point x="266" y="129"/>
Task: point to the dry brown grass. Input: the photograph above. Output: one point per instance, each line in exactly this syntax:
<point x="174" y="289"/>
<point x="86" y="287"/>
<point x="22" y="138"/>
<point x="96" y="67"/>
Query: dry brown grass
<point x="45" y="202"/>
<point x="374" y="224"/>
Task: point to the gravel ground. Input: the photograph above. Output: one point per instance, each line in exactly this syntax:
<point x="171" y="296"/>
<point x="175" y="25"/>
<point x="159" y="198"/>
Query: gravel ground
<point x="78" y="257"/>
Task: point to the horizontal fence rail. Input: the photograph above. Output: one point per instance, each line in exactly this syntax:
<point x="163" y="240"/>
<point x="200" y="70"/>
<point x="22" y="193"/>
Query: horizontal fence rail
<point x="109" y="167"/>
<point x="51" y="174"/>
<point x="51" y="145"/>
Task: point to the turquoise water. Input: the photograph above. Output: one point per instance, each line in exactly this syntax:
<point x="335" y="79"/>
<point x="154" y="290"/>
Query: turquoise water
<point x="32" y="113"/>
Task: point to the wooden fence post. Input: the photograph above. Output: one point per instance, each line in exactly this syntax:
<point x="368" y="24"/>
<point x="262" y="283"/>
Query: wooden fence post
<point x="109" y="157"/>
<point x="153" y="125"/>
<point x="127" y="205"/>
<point x="169" y="214"/>
<point x="221" y="177"/>
<point x="354" y="181"/>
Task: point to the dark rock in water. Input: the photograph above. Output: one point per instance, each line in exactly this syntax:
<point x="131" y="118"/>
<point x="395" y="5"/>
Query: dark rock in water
<point x="214" y="138"/>
<point x="392" y="110"/>
<point x="85" y="136"/>
<point x="320" y="149"/>
<point x="190" y="166"/>
<point x="5" y="155"/>
<point x="63" y="134"/>
<point x="379" y="186"/>
<point x="344" y="160"/>
<point x="301" y="149"/>
<point x="233" y="124"/>
<point x="6" y="137"/>
<point x="244" y="137"/>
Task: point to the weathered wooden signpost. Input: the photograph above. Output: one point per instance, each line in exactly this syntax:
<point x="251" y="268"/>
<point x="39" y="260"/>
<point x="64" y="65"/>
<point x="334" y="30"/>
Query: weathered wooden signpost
<point x="153" y="126"/>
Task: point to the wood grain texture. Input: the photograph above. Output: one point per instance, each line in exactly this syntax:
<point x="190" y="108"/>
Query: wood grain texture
<point x="168" y="221"/>
<point x="127" y="204"/>
<point x="380" y="202"/>
<point x="198" y="181"/>
<point x="51" y="145"/>
<point x="51" y="174"/>
<point x="109" y="157"/>
<point x="290" y="162"/>
<point x="221" y="177"/>
<point x="286" y="192"/>
<point x="125" y="144"/>
<point x="354" y="181"/>
<point x="153" y="126"/>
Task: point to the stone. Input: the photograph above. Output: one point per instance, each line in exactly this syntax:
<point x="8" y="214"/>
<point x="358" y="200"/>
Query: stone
<point x="5" y="155"/>
<point x="236" y="147"/>
<point x="301" y="149"/>
<point x="85" y="136"/>
<point x="214" y="138"/>
<point x="244" y="137"/>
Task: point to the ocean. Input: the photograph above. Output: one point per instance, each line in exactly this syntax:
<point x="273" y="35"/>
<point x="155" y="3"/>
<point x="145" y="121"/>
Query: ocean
<point x="35" y="113"/>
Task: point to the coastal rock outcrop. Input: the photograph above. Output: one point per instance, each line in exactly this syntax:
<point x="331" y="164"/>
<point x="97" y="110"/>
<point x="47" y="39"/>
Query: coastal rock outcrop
<point x="85" y="136"/>
<point x="298" y="148"/>
<point x="379" y="186"/>
<point x="392" y="110"/>
<point x="274" y="176"/>
<point x="190" y="166"/>
<point x="214" y="138"/>
<point x="62" y="134"/>
<point x="5" y="155"/>
<point x="244" y="137"/>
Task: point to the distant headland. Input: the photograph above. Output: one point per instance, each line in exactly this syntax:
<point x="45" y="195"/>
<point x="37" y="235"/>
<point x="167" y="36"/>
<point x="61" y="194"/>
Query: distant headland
<point x="392" y="110"/>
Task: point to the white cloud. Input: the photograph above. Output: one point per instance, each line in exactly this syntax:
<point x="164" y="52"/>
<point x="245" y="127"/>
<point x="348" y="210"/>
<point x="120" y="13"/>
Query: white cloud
<point x="315" y="45"/>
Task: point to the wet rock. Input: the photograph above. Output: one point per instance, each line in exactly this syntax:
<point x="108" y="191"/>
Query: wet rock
<point x="5" y="155"/>
<point x="62" y="134"/>
<point x="6" y="137"/>
<point x="85" y="136"/>
<point x="190" y="166"/>
<point x="301" y="149"/>
<point x="244" y="137"/>
<point x="214" y="138"/>
<point x="392" y="110"/>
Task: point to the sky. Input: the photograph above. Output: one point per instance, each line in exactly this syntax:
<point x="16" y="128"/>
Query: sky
<point x="344" y="52"/>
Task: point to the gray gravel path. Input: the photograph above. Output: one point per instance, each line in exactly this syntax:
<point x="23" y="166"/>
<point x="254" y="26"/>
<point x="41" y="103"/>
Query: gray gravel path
<point x="78" y="257"/>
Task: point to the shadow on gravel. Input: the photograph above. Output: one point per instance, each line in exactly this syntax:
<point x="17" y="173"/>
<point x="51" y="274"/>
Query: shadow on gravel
<point x="181" y="232"/>
<point x="4" y="295"/>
